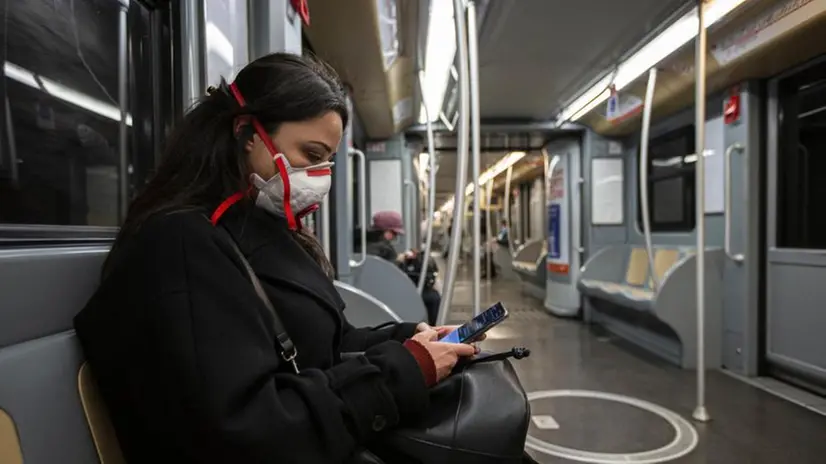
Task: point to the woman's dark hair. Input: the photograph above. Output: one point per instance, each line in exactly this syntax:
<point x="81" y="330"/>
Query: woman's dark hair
<point x="204" y="161"/>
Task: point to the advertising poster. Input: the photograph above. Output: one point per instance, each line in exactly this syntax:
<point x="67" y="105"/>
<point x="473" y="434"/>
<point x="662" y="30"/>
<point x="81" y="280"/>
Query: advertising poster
<point x="558" y="215"/>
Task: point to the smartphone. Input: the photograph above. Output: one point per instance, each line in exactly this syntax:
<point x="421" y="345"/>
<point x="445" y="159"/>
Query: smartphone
<point x="480" y="324"/>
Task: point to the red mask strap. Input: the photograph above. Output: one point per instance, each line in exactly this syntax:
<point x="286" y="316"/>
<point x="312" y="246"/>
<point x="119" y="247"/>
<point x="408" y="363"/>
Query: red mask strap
<point x="279" y="162"/>
<point x="224" y="206"/>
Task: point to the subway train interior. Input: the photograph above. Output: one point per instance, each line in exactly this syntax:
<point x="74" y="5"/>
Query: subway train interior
<point x="635" y="180"/>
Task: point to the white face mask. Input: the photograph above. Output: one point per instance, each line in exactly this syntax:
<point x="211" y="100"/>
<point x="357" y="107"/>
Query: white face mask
<point x="308" y="186"/>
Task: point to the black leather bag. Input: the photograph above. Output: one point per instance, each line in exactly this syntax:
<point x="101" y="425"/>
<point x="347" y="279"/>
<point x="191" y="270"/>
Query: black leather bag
<point x="478" y="415"/>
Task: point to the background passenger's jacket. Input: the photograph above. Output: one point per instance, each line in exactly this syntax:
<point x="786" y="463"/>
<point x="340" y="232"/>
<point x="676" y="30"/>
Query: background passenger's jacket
<point x="377" y="245"/>
<point x="183" y="350"/>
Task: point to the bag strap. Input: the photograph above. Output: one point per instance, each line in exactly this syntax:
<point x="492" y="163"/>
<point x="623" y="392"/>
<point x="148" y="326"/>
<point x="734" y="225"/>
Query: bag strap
<point x="286" y="347"/>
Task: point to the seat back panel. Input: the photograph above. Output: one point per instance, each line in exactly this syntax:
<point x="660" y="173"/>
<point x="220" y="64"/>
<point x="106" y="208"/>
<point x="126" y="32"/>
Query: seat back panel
<point x="39" y="392"/>
<point x="637" y="267"/>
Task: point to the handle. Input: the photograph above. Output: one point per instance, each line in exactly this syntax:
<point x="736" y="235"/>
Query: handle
<point x="737" y="258"/>
<point x="646" y="221"/>
<point x="410" y="189"/>
<point x="431" y="193"/>
<point x="356" y="153"/>
<point x="508" y="179"/>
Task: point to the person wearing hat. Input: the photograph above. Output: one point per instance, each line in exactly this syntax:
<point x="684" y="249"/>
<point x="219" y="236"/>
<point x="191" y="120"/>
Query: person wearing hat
<point x="381" y="241"/>
<point x="383" y="236"/>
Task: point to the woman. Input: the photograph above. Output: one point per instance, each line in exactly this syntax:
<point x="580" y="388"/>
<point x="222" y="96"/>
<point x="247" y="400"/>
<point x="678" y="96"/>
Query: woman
<point x="183" y="348"/>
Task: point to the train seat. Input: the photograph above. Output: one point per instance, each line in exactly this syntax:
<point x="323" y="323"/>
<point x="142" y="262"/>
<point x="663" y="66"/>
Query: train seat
<point x="41" y="416"/>
<point x="617" y="279"/>
<point x="387" y="283"/>
<point x="529" y="264"/>
<point x="503" y="261"/>
<point x="363" y="309"/>
<point x="97" y="416"/>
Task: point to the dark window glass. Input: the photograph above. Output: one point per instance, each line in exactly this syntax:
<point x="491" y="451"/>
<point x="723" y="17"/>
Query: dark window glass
<point x="801" y="159"/>
<point x="671" y="188"/>
<point x="61" y="152"/>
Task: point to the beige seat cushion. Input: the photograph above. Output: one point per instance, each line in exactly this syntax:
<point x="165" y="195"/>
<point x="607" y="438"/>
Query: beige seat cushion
<point x="637" y="267"/>
<point x="103" y="433"/>
<point x="10" y="452"/>
<point x="664" y="260"/>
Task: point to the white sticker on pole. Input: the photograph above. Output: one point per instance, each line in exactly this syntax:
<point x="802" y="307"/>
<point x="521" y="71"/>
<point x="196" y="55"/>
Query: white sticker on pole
<point x="622" y="106"/>
<point x="558" y="213"/>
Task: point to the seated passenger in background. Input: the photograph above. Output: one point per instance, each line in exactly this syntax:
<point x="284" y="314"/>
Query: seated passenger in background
<point x="382" y="239"/>
<point x="502" y="237"/>
<point x="183" y="348"/>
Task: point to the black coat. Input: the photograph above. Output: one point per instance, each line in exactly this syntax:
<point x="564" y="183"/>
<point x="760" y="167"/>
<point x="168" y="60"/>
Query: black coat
<point x="377" y="245"/>
<point x="184" y="354"/>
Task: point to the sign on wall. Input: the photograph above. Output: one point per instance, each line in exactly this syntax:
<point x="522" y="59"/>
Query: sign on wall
<point x="385" y="191"/>
<point x="558" y="215"/>
<point x="607" y="185"/>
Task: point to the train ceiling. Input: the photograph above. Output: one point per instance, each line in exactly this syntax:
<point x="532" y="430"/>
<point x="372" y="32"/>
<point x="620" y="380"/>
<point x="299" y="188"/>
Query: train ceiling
<point x="536" y="54"/>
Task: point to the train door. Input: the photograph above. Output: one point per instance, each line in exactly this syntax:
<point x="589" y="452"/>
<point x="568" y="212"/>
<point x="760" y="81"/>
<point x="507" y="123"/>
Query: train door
<point x="795" y="324"/>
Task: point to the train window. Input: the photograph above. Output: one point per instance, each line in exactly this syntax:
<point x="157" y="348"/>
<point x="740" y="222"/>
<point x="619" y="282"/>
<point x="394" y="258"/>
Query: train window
<point x="802" y="159"/>
<point x="226" y="39"/>
<point x="671" y="187"/>
<point x="61" y="152"/>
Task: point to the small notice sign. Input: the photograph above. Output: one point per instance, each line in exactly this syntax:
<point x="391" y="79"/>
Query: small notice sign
<point x="545" y="422"/>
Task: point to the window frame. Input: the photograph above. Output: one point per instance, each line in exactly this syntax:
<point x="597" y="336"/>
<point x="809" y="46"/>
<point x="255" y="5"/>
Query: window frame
<point x="687" y="171"/>
<point x="161" y="13"/>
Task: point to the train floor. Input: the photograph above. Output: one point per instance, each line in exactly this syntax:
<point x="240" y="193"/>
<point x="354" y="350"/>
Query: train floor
<point x="572" y="367"/>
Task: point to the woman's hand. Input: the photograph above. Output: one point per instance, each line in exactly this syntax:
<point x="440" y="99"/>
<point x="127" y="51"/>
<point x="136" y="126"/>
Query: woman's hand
<point x="444" y="355"/>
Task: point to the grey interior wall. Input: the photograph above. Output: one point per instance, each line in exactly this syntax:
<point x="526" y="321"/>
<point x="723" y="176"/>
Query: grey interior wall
<point x="396" y="149"/>
<point x="741" y="291"/>
<point x="596" y="237"/>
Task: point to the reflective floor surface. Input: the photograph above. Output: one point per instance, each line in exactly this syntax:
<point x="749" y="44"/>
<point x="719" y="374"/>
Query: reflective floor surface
<point x="748" y="425"/>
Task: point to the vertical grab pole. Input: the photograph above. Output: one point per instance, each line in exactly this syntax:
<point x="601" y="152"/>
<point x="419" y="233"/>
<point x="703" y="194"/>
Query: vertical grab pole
<point x="646" y="220"/>
<point x="325" y="225"/>
<point x="461" y="160"/>
<point x="410" y="210"/>
<point x="123" y="101"/>
<point x="508" y="179"/>
<point x="356" y="153"/>
<point x="489" y="226"/>
<point x="473" y="67"/>
<point x="431" y="191"/>
<point x="701" y="413"/>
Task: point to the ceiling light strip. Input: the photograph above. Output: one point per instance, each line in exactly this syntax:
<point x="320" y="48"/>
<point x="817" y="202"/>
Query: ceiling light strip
<point x="659" y="48"/>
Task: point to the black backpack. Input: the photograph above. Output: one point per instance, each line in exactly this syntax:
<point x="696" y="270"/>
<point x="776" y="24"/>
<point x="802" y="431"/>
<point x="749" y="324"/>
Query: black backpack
<point x="413" y="268"/>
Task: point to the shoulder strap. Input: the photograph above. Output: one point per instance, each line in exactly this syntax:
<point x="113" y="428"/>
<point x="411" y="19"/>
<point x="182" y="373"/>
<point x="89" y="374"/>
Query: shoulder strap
<point x="285" y="343"/>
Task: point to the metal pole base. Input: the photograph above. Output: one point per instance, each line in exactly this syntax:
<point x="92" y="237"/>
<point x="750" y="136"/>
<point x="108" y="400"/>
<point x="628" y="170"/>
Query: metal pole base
<point x="701" y="414"/>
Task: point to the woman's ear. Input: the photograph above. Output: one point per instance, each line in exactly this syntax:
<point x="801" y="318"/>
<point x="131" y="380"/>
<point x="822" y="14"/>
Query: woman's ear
<point x="250" y="144"/>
